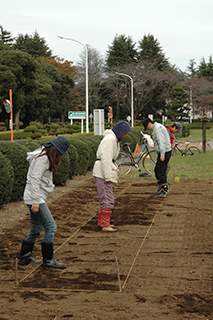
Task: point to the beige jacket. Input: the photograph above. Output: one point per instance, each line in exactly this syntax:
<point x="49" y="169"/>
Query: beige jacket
<point x="108" y="151"/>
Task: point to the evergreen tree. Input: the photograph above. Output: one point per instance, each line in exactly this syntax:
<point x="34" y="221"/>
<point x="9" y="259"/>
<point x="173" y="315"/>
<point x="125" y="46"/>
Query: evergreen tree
<point x="179" y="108"/>
<point x="121" y="52"/>
<point x="5" y="36"/>
<point x="205" y="69"/>
<point x="191" y="68"/>
<point x="151" y="51"/>
<point x="33" y="45"/>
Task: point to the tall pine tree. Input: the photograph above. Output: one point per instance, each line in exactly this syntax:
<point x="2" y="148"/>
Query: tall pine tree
<point x="179" y="108"/>
<point x="151" y="51"/>
<point x="121" y="52"/>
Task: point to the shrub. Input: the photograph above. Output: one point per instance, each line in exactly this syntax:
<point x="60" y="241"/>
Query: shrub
<point x="6" y="136"/>
<point x="73" y="155"/>
<point x="199" y="125"/>
<point x="83" y="155"/>
<point x="46" y="127"/>
<point x="53" y="132"/>
<point x="54" y="126"/>
<point x="138" y="123"/>
<point x="20" y="124"/>
<point x="30" y="129"/>
<point x="7" y="177"/>
<point x="36" y="135"/>
<point x="130" y="138"/>
<point x="28" y="145"/>
<point x="60" y="178"/>
<point x="91" y="125"/>
<point x="17" y="156"/>
<point x="3" y="126"/>
<point x="36" y="124"/>
<point x="137" y="134"/>
<point x="92" y="150"/>
<point x="186" y="130"/>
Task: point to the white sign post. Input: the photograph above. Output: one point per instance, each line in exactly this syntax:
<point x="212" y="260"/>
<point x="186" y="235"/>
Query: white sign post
<point x="77" y="115"/>
<point x="98" y="122"/>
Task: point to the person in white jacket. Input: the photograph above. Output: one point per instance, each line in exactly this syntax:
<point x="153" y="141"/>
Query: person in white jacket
<point x="43" y="163"/>
<point x="105" y="171"/>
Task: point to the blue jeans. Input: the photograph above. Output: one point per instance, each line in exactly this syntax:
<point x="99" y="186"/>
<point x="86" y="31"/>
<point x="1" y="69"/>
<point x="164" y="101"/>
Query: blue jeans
<point x="42" y="219"/>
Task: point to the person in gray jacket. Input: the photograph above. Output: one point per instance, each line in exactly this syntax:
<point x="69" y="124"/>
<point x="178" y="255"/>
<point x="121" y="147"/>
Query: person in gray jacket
<point x="43" y="163"/>
<point x="163" y="150"/>
<point x="105" y="171"/>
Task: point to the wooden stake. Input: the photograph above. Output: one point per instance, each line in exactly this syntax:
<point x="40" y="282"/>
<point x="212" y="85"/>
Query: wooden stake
<point x="119" y="280"/>
<point x="16" y="273"/>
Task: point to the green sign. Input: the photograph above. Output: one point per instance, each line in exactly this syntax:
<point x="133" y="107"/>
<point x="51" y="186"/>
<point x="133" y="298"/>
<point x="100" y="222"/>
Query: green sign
<point x="76" y="115"/>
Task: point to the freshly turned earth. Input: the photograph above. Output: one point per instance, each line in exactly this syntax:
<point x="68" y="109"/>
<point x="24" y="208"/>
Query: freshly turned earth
<point x="164" y="249"/>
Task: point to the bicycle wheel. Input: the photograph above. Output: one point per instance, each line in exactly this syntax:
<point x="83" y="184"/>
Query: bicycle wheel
<point x="149" y="162"/>
<point x="124" y="163"/>
<point x="192" y="151"/>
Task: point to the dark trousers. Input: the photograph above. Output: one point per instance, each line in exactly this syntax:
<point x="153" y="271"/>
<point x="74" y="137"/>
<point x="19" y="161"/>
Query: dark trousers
<point x="161" y="168"/>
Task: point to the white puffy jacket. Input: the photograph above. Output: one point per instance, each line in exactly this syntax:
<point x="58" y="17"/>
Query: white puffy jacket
<point x="108" y="151"/>
<point x="39" y="179"/>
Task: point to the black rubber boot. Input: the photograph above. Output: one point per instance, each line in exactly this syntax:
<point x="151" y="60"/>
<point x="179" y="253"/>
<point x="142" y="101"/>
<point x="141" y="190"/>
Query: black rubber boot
<point x="26" y="250"/>
<point x="158" y="190"/>
<point x="48" y="257"/>
<point x="164" y="191"/>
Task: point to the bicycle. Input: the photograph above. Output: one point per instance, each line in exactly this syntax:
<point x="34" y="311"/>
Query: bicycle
<point x="189" y="151"/>
<point x="126" y="161"/>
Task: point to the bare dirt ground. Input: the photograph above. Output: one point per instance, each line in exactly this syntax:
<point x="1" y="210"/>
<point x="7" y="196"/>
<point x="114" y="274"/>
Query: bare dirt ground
<point x="164" y="249"/>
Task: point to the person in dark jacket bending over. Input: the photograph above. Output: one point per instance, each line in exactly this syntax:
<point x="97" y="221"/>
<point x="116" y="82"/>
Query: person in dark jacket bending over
<point x="163" y="150"/>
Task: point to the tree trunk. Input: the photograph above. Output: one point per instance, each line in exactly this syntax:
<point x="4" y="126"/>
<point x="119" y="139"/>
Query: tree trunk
<point x="62" y="118"/>
<point x="17" y="114"/>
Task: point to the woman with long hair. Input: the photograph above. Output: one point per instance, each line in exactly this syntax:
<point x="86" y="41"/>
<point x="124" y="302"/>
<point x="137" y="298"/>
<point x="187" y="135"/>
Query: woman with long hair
<point x="43" y="163"/>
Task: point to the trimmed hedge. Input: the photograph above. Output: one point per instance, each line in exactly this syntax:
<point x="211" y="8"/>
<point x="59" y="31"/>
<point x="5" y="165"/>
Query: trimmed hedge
<point x="73" y="156"/>
<point x="17" y="155"/>
<point x="60" y="178"/>
<point x="7" y="177"/>
<point x="80" y="158"/>
<point x="83" y="154"/>
<point x="6" y="136"/>
<point x="199" y="125"/>
<point x="93" y="145"/>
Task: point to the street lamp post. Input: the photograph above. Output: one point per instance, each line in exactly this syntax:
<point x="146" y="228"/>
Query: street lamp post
<point x="132" y="110"/>
<point x="87" y="104"/>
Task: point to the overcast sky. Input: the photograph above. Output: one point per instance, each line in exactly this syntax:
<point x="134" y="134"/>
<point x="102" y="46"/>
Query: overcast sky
<point x="184" y="28"/>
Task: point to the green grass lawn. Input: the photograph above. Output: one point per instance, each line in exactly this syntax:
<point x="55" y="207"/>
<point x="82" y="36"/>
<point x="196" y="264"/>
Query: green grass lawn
<point x="196" y="135"/>
<point x="200" y="166"/>
<point x="193" y="166"/>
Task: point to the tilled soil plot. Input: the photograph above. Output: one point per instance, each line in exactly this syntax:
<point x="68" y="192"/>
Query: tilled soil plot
<point x="158" y="265"/>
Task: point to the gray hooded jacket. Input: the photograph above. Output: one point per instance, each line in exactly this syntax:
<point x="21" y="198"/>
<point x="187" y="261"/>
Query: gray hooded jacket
<point x="39" y="179"/>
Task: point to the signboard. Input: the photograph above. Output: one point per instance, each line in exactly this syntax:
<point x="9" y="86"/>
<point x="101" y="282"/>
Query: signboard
<point x="76" y="115"/>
